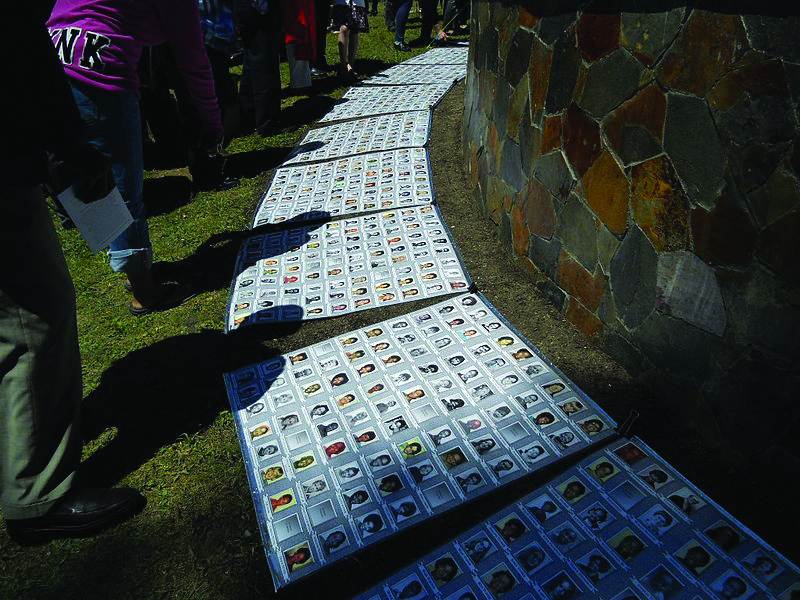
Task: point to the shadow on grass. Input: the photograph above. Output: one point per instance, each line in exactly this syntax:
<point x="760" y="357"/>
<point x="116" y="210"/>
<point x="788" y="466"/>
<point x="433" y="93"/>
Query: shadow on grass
<point x="162" y="195"/>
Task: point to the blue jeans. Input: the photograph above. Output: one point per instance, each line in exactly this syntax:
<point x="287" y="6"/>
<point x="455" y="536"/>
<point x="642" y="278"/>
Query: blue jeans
<point x="112" y="123"/>
<point x="401" y="8"/>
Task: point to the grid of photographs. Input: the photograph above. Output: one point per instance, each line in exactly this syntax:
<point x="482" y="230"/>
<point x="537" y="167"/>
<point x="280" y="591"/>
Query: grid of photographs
<point x="348" y="186"/>
<point x="356" y="437"/>
<point x="366" y="101"/>
<point x="373" y="134"/>
<point x="621" y="524"/>
<point x="345" y="266"/>
<point x="451" y="55"/>
<point x="406" y="74"/>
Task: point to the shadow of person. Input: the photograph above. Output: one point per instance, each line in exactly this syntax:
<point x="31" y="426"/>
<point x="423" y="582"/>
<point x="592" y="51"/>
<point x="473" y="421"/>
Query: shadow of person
<point x="254" y="162"/>
<point x="162" y="195"/>
<point x="211" y="266"/>
<point x="154" y="395"/>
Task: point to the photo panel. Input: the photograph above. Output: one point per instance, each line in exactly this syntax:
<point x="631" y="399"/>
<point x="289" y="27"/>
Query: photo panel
<point x="407" y="74"/>
<point x="367" y="101"/>
<point x="371" y="134"/>
<point x="449" y="55"/>
<point x="347" y="186"/>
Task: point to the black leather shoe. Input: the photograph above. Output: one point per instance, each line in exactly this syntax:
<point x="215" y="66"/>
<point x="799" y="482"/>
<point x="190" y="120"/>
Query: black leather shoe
<point x="80" y="513"/>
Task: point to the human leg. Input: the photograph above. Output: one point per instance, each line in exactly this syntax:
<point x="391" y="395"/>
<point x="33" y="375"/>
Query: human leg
<point x="261" y="84"/>
<point x="402" y="8"/>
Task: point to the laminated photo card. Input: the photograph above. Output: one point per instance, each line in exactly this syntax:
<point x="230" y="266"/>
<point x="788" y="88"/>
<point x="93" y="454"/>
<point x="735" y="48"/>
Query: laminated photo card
<point x="347" y="186"/>
<point x="371" y="432"/>
<point x="367" y="101"/>
<point x="620" y="524"/>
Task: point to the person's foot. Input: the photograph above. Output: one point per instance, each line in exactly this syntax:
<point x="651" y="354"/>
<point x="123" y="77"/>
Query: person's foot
<point x="268" y="129"/>
<point x="80" y="513"/>
<point x="166" y="296"/>
<point x="315" y="72"/>
<point x="401" y="47"/>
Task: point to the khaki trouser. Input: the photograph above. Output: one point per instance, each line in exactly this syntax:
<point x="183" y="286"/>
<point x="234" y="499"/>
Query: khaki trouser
<point x="40" y="370"/>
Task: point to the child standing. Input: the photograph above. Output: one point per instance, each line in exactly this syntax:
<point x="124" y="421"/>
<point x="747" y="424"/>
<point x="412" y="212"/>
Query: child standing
<point x="350" y="18"/>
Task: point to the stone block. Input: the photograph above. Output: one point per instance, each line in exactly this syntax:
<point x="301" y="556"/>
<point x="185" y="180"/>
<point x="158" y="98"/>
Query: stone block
<point x="607" y="244"/>
<point x="774" y="35"/>
<point x="539" y="78"/>
<point x="607" y="191"/>
<point x="539" y="210"/>
<point x="700" y="166"/>
<point x="519" y="231"/>
<point x="563" y="73"/>
<point x="500" y="102"/>
<point x="779" y="247"/>
<point x="544" y="253"/>
<point x="635" y="130"/>
<point x="517" y="109"/>
<point x="633" y="278"/>
<point x="518" y="56"/>
<point x="552" y="292"/>
<point x="687" y="289"/>
<point x="552" y="170"/>
<point x="581" y="139"/>
<point x="505" y="229"/>
<point x="610" y="82"/>
<point x="530" y="146"/>
<point x="511" y="166"/>
<point x="526" y="18"/>
<point x="578" y="282"/>
<point x="621" y="350"/>
<point x="552" y="27"/>
<point x="709" y="46"/>
<point x="585" y="321"/>
<point x="647" y="34"/>
<point x="778" y="196"/>
<point x="659" y="205"/>
<point x="598" y="34"/>
<point x="551" y="133"/>
<point x="578" y="231"/>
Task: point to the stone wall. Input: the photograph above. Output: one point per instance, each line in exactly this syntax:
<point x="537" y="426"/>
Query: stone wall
<point x="645" y="159"/>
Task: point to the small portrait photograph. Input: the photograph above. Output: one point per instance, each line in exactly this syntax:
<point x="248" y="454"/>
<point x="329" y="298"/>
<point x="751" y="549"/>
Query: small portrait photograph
<point x="503" y="466"/>
<point x="694" y="557"/>
<point x="312" y="389"/>
<point x="260" y="431"/>
<point x="563" y="438"/>
<point x="267" y="450"/>
<point x="388" y="405"/>
<point x="468" y="375"/>
<point x="403" y="509"/>
<point x="571" y="406"/>
<point x="288" y="421"/>
<point x="328" y="363"/>
<point x="298" y="557"/>
<point x="724" y="535"/>
<point x="506" y="341"/>
<point x="565" y="536"/>
<point x="327" y="428"/>
<point x="298" y="358"/>
<point x="591" y="426"/>
<point x="508" y="380"/>
<point x="443" y="570"/>
<point x="348" y="472"/>
<point x="500" y="581"/>
<point x="318" y="411"/>
<point x="453" y="458"/>
<point x="303" y="462"/>
<point x="402" y="377"/>
<point x="532" y="558"/>
<point x="542" y="508"/>
<point x="478" y="547"/>
<point x="572" y="490"/>
<point x="483" y="445"/>
<point x="627" y="544"/>
<point x="456" y="360"/>
<point x="533" y="453"/>
<point x="533" y="370"/>
<point x="356" y="497"/>
<point x="654" y="476"/>
<point x="389" y="484"/>
<point x="297" y="440"/>
<point x="527" y="401"/>
<point x="424" y="412"/>
<point x="762" y="565"/>
<point x="409" y="588"/>
<point x="370" y="524"/>
<point x="376" y="389"/>
<point x="411" y="448"/>
<point x="334" y="540"/>
<point x="657" y="520"/>
<point x="497" y="362"/>
<point x="422" y="470"/>
<point x="321" y="512"/>
<point x="481" y="392"/>
<point x="511" y="528"/>
<point x="594" y="565"/>
<point x="731" y="586"/>
<point x="602" y="470"/>
<point x="561" y="587"/>
<point x="366" y="436"/>
<point x="273" y="473"/>
<point x="441" y="435"/>
<point x="414" y="394"/>
<point x="438" y="494"/>
<point x="630" y="453"/>
<point x="452" y="404"/>
<point x="392" y="359"/>
<point x="662" y="584"/>
<point x="514" y="432"/>
<point x="315" y="487"/>
<point x="374" y="332"/>
<point x="500" y="412"/>
<point x="554" y="388"/>
<point x="596" y="517"/>
<point x="284" y="529"/>
<point x="365" y="369"/>
<point x="254" y="409"/>
<point x="357" y="416"/>
<point x="472" y="423"/>
<point x="379" y="461"/>
<point x="345" y="400"/>
<point x="626" y="495"/>
<point x="543" y="419"/>
<point x="470" y="480"/>
<point x="522" y="354"/>
<point x="687" y="500"/>
<point x="440" y="386"/>
<point x="282" y="500"/>
<point x="335" y="449"/>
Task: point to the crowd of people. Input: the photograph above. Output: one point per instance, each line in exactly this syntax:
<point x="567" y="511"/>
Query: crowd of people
<point x="93" y="79"/>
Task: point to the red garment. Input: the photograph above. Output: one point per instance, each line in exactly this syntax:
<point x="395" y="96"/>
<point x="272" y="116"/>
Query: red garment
<point x="299" y="27"/>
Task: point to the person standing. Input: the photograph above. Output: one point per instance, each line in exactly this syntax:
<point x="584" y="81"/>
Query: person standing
<point x="40" y="370"/>
<point x="350" y="18"/>
<point x="401" y="9"/>
<point x="99" y="43"/>
<point x="322" y="16"/>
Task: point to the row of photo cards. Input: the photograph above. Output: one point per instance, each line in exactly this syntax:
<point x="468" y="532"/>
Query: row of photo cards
<point x="372" y="134"/>
<point x="345" y="266"/>
<point x="367" y="101"/>
<point x="347" y="186"/>
<point x="448" y="55"/>
<point x="408" y="74"/>
<point x="349" y="440"/>
<point x="622" y="524"/>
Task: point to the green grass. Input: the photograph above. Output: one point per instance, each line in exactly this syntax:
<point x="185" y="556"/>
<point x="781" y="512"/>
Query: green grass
<point x="155" y="407"/>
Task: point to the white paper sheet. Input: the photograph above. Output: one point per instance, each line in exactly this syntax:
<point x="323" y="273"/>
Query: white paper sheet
<point x="98" y="222"/>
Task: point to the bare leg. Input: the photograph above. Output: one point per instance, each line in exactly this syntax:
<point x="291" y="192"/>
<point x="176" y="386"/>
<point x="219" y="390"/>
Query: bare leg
<point x="353" y="48"/>
<point x="344" y="34"/>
